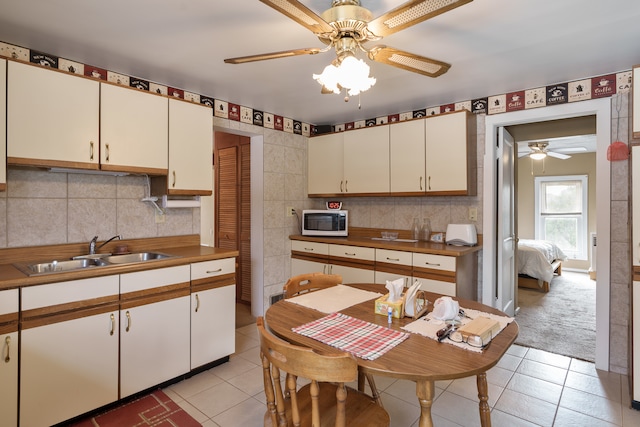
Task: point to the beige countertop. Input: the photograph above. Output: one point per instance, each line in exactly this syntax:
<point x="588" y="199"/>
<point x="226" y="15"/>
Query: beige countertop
<point x="185" y="250"/>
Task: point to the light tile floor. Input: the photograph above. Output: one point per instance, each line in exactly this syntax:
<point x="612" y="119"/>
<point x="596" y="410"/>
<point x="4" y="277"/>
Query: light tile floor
<point x="528" y="387"/>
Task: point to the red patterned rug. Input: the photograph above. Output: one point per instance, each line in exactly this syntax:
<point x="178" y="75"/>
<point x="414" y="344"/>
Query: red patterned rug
<point x="155" y="409"/>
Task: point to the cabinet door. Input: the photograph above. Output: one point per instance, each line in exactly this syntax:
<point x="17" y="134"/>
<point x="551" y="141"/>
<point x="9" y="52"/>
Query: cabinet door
<point x="133" y="130"/>
<point x="635" y="185"/>
<point x="407" y="148"/>
<point x="68" y="368"/>
<point x="154" y="344"/>
<point x="52" y="118"/>
<point x="3" y="124"/>
<point x="190" y="148"/>
<point x="302" y="266"/>
<point x="325" y="164"/>
<point x="212" y="325"/>
<point x="353" y="274"/>
<point x="446" y="162"/>
<point x="366" y="160"/>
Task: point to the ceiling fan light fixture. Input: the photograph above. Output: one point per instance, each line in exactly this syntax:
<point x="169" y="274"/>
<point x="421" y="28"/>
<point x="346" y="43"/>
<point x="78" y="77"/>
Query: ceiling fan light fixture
<point x="538" y="155"/>
<point x="351" y="74"/>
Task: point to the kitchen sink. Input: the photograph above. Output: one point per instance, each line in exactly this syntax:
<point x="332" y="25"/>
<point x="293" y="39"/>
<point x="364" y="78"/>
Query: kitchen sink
<point x="82" y="262"/>
<point x="135" y="257"/>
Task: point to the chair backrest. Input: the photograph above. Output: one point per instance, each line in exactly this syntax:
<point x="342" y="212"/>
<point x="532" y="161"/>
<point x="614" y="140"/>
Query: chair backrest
<point x="309" y="282"/>
<point x="295" y="361"/>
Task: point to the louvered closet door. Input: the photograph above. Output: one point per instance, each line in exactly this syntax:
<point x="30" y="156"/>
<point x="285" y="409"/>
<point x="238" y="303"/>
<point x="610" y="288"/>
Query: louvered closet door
<point x="233" y="204"/>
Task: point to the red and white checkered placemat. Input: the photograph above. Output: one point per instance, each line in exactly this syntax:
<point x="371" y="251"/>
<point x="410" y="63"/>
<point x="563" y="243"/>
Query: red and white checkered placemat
<point x="358" y="337"/>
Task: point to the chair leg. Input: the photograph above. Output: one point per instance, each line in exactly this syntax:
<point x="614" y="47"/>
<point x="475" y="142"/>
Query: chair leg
<point x="375" y="394"/>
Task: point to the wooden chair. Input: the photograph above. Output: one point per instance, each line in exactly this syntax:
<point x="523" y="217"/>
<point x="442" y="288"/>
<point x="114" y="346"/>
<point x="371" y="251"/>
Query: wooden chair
<point x="325" y="401"/>
<point x="310" y="282"/>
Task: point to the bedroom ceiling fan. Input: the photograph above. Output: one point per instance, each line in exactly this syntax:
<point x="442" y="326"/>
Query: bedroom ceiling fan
<point x="347" y="27"/>
<point x="538" y="151"/>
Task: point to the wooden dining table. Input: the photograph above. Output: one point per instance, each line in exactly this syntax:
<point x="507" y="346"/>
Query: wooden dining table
<point x="418" y="358"/>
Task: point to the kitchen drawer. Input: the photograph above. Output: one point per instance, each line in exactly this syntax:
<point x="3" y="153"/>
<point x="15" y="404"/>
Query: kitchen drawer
<point x="311" y="248"/>
<point x="52" y="294"/>
<point x="435" y="262"/>
<point x="394" y="257"/>
<point x="352" y="252"/>
<point x="9" y="301"/>
<point x="437" y="286"/>
<point x="149" y="279"/>
<point x="218" y="267"/>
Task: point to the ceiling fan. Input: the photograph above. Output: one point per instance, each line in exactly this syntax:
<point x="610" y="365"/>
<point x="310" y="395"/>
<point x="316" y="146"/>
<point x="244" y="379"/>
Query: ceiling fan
<point x="538" y="151"/>
<point x="347" y="27"/>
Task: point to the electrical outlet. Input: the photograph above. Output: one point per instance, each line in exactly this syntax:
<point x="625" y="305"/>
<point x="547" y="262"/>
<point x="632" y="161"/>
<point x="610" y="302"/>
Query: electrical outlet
<point x="291" y="211"/>
<point x="159" y="218"/>
<point x="473" y="214"/>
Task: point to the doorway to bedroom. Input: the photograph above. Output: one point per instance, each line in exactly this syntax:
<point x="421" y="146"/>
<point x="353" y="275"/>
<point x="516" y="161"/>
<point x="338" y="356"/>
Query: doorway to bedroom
<point x="555" y="196"/>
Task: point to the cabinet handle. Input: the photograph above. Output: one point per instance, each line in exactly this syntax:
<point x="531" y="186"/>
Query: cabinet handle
<point x="348" y="254"/>
<point x="107" y="154"/>
<point x="346" y="186"/>
<point x="324" y="269"/>
<point x="7" y="341"/>
<point x="91" y="150"/>
<point x="128" y="321"/>
<point x="420" y="183"/>
<point x="197" y="303"/>
<point x="113" y="324"/>
<point x="174" y="179"/>
<point x="393" y="259"/>
<point x="214" y="271"/>
<point x="308" y="249"/>
<point x="431" y="263"/>
<point x="341" y="187"/>
<point x="429" y="183"/>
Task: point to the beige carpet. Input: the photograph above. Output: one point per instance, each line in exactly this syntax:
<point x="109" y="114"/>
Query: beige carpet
<point x="562" y="321"/>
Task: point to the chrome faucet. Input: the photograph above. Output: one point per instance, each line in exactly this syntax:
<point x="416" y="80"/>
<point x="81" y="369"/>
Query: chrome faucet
<point x="92" y="243"/>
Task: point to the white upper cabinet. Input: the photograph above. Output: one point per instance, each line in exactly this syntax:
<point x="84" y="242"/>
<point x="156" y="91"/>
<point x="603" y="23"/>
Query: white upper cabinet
<point x="52" y="118"/>
<point x="3" y="124"/>
<point x="407" y="156"/>
<point x="190" y="148"/>
<point x="133" y="130"/>
<point x="325" y="164"/>
<point x="366" y="160"/>
<point x="450" y="165"/>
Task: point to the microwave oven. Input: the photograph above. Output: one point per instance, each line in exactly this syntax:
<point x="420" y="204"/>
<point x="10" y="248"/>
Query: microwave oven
<point x="325" y="223"/>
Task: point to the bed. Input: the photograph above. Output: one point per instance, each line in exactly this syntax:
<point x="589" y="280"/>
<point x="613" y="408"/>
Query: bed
<point x="538" y="261"/>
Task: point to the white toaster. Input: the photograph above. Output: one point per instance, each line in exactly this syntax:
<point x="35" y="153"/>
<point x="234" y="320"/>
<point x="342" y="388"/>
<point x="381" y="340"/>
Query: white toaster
<point x="461" y="235"/>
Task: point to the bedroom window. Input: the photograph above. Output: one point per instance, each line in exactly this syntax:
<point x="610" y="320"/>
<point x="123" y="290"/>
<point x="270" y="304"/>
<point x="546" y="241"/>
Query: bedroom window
<point x="561" y="213"/>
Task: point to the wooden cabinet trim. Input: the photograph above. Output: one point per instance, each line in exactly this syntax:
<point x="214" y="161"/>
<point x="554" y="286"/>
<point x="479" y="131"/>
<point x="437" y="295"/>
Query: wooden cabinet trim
<point x="74" y="313"/>
<point x="441" y="275"/>
<point x="353" y="262"/>
<point x="9" y="317"/>
<point x="68" y="308"/>
<point x="402" y="269"/>
<point x="157" y="294"/>
<point x="9" y="328"/>
<point x="310" y="257"/>
<point x="201" y="285"/>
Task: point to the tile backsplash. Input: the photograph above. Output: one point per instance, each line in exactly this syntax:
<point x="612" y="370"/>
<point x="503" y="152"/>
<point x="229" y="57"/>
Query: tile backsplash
<point x="44" y="208"/>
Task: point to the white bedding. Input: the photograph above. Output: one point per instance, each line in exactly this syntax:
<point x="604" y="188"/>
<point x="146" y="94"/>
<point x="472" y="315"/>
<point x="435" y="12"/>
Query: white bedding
<point x="535" y="258"/>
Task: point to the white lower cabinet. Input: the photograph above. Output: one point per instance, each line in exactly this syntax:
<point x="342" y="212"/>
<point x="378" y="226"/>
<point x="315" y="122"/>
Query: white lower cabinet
<point x="213" y="296"/>
<point x="9" y="308"/>
<point x="68" y="360"/>
<point x="154" y="327"/>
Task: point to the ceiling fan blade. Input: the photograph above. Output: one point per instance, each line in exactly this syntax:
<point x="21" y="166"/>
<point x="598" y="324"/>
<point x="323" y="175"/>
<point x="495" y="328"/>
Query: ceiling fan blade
<point x="301" y="14"/>
<point x="558" y="155"/>
<point x="272" y="55"/>
<point x="408" y="61"/>
<point x="411" y="13"/>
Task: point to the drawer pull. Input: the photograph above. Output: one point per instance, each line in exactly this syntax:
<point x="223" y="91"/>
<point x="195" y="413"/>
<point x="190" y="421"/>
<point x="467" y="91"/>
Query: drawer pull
<point x="348" y="254"/>
<point x="393" y="259"/>
<point x="432" y="263"/>
<point x="174" y="179"/>
<point x="214" y="271"/>
<point x="197" y="303"/>
<point x="308" y="249"/>
<point x="128" y="321"/>
<point x="91" y="150"/>
<point x="341" y="187"/>
<point x="420" y="183"/>
<point x="113" y="324"/>
<point x="107" y="153"/>
<point x="7" y="341"/>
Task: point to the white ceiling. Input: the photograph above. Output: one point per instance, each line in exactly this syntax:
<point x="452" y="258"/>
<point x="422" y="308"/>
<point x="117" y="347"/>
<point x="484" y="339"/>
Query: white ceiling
<point x="494" y="46"/>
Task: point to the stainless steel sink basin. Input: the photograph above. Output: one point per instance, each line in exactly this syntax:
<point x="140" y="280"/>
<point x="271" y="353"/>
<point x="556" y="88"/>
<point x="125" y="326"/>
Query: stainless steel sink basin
<point x="82" y="262"/>
<point x="135" y="257"/>
<point x="56" y="266"/>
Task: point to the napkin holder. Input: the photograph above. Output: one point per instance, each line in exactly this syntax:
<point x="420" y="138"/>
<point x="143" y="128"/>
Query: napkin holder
<point x="420" y="303"/>
<point x="397" y="307"/>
